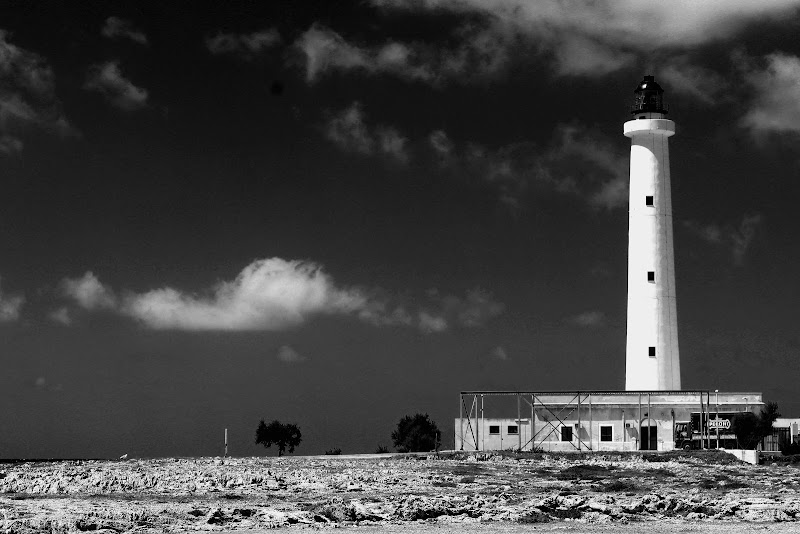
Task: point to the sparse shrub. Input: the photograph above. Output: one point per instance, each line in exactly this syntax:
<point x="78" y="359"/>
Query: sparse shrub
<point x="535" y="517"/>
<point x="382" y="449"/>
<point x="417" y="433"/>
<point x="334" y="452"/>
<point x="284" y="435"/>
<point x="751" y="429"/>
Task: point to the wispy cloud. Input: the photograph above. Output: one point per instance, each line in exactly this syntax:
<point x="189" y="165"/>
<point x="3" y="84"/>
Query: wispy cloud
<point x="588" y="318"/>
<point x="287" y="354"/>
<point x="107" y="79"/>
<point x="478" y="56"/>
<point x="348" y="130"/>
<point x="595" y="38"/>
<point x="499" y="353"/>
<point x="775" y="80"/>
<point x="27" y="96"/>
<point x="61" y="316"/>
<point x="681" y="75"/>
<point x="579" y="161"/>
<point x="737" y="239"/>
<point x="245" y="46"/>
<point x="10" y="306"/>
<point x="276" y="294"/>
<point x="117" y="28"/>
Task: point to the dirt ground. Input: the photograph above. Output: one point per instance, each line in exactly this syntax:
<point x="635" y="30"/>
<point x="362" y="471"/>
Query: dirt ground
<point x="577" y="493"/>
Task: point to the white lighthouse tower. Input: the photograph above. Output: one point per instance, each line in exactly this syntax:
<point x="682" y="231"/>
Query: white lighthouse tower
<point x="651" y="357"/>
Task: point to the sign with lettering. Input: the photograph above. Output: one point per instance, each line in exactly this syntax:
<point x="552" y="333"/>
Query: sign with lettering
<point x="719" y="423"/>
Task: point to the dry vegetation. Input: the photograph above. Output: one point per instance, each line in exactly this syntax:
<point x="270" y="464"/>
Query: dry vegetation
<point x="248" y="493"/>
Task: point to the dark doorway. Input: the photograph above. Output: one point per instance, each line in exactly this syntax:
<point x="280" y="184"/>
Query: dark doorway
<point x="649" y="438"/>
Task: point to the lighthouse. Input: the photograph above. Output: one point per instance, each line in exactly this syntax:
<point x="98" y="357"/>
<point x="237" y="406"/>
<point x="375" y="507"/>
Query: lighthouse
<point x="651" y="354"/>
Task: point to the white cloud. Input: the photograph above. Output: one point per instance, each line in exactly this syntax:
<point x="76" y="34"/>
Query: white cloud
<point x="441" y="143"/>
<point x="27" y="96"/>
<point x="776" y="104"/>
<point x="246" y="46"/>
<point x="594" y="38"/>
<point x="276" y="294"/>
<point x="479" y="55"/>
<point x="107" y="79"/>
<point x="115" y="28"/>
<point x="287" y="354"/>
<point x="348" y="129"/>
<point x="10" y="307"/>
<point x="88" y="292"/>
<point x="737" y="239"/>
<point x="589" y="318"/>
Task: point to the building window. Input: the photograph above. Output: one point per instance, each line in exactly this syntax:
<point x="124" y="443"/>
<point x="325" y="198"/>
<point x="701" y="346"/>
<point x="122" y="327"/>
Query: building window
<point x="651" y="351"/>
<point x="651" y="276"/>
<point x="494" y="429"/>
<point x="606" y="433"/>
<point x="513" y="429"/>
<point x="648" y="200"/>
<point x="566" y="433"/>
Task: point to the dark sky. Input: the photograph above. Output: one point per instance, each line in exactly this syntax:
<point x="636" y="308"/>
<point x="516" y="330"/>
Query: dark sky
<point x="342" y="214"/>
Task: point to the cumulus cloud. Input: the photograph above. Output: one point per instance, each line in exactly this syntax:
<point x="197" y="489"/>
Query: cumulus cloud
<point x="10" y="306"/>
<point x="736" y="238"/>
<point x="478" y="56"/>
<point x="589" y="318"/>
<point x="776" y="85"/>
<point x="117" y="28"/>
<point x="107" y="79"/>
<point x="277" y="294"/>
<point x="89" y="292"/>
<point x="27" y="96"/>
<point x="245" y="46"/>
<point x="594" y="38"/>
<point x="287" y="354"/>
<point x="348" y="130"/>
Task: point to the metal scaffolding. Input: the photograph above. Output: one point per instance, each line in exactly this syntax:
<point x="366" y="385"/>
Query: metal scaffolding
<point x="556" y="412"/>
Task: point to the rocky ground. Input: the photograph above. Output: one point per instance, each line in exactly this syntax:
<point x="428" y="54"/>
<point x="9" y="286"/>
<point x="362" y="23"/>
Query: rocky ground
<point x="457" y="489"/>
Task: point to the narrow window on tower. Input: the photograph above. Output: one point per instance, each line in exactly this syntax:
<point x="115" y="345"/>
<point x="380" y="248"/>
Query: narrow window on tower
<point x="651" y="351"/>
<point x="651" y="276"/>
<point x="648" y="200"/>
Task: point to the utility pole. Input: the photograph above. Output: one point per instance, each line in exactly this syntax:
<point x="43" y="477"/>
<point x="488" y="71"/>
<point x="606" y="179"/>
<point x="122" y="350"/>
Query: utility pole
<point x="225" y="455"/>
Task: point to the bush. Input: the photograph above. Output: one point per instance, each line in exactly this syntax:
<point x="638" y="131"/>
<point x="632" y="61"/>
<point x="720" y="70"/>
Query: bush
<point x="750" y="429"/>
<point x="416" y="433"/>
<point x="284" y="435"/>
<point x="382" y="449"/>
<point x="334" y="452"/>
<point x="791" y="448"/>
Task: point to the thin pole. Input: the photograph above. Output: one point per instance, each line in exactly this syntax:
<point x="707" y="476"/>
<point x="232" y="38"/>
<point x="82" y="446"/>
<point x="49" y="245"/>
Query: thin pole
<point x="226" y="443"/>
<point x="639" y="437"/>
<point x="579" y="421"/>
<point x="477" y="431"/>
<point x="461" y="419"/>
<point x="483" y="421"/>
<point x="624" y="430"/>
<point x="533" y="422"/>
<point x="591" y="422"/>
<point x="519" y="426"/>
<point x="702" y="435"/>
<point x="649" y="428"/>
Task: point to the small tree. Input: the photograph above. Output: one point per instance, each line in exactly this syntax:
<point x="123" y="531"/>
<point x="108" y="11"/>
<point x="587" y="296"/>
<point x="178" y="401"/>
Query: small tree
<point x="416" y="433"/>
<point x="281" y="434"/>
<point x="750" y="429"/>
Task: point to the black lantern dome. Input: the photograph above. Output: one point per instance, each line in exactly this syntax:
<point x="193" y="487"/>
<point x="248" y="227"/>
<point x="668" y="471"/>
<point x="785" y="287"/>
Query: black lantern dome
<point x="648" y="97"/>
